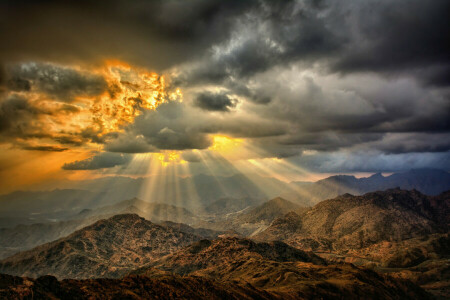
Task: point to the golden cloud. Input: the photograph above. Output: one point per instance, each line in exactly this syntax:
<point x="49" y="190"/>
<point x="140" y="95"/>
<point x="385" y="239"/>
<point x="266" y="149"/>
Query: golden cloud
<point x="42" y="115"/>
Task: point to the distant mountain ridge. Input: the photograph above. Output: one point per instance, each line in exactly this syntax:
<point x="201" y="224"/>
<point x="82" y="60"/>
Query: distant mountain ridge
<point x="253" y="219"/>
<point x="204" y="192"/>
<point x="427" y="181"/>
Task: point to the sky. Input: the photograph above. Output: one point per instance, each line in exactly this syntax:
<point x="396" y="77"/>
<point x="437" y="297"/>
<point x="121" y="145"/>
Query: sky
<point x="290" y="89"/>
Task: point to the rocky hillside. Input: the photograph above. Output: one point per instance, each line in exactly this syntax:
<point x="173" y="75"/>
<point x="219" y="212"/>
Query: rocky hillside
<point x="255" y="219"/>
<point x="351" y="222"/>
<point x="108" y="248"/>
<point x="202" y="232"/>
<point x="268" y="211"/>
<point x="130" y="287"/>
<point x="206" y="254"/>
<point x="280" y="269"/>
<point x="384" y="230"/>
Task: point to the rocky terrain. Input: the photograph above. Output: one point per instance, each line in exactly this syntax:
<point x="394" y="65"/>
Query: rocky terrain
<point x="202" y="232"/>
<point x="169" y="262"/>
<point x="130" y="287"/>
<point x="280" y="269"/>
<point x="357" y="222"/>
<point x="388" y="231"/>
<point x="107" y="248"/>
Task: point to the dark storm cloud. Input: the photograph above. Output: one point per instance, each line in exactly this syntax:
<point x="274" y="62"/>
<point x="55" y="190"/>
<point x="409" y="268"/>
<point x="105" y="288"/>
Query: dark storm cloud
<point x="399" y="35"/>
<point x="18" y="84"/>
<point x="129" y="143"/>
<point x="45" y="148"/>
<point x="270" y="34"/>
<point x="215" y="101"/>
<point x="349" y="36"/>
<point x="19" y="116"/>
<point x="15" y="114"/>
<point x="156" y="34"/>
<point x="177" y="126"/>
<point x="309" y="75"/>
<point x="191" y="156"/>
<point x="57" y="81"/>
<point x="416" y="142"/>
<point x="371" y="161"/>
<point x="99" y="161"/>
<point x="172" y="127"/>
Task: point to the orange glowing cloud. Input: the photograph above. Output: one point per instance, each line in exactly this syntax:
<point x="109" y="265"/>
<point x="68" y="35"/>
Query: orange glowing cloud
<point x="46" y="117"/>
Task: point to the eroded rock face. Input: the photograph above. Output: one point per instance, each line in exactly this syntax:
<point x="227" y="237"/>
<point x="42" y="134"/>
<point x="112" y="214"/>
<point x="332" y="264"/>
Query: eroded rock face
<point x="107" y="248"/>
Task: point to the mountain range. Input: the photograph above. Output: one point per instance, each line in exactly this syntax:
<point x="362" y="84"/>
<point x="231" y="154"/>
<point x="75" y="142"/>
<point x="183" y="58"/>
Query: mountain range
<point x="203" y="193"/>
<point x="404" y="233"/>
<point x="389" y="244"/>
<point x="26" y="236"/>
<point x="226" y="268"/>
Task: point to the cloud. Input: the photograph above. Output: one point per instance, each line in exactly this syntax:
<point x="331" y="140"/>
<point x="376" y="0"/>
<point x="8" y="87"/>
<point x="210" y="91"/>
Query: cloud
<point x="99" y="161"/>
<point x="293" y="77"/>
<point x="49" y="103"/>
<point x="215" y="101"/>
<point x="172" y="126"/>
<point x="191" y="156"/>
<point x="128" y="143"/>
<point x="371" y="161"/>
<point x="395" y="36"/>
<point x="155" y="34"/>
<point x="61" y="82"/>
<point x="45" y="148"/>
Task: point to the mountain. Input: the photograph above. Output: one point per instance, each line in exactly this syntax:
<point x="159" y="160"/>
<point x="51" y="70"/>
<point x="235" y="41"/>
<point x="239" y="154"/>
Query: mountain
<point x="268" y="211"/>
<point x="385" y="230"/>
<point x="230" y="205"/>
<point x="34" y="207"/>
<point x="253" y="219"/>
<point x="107" y="248"/>
<point x="427" y="181"/>
<point x="201" y="193"/>
<point x="355" y="222"/>
<point x="202" y="232"/>
<point x="155" y="212"/>
<point x="201" y="189"/>
<point x="278" y="268"/>
<point x="24" y="237"/>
